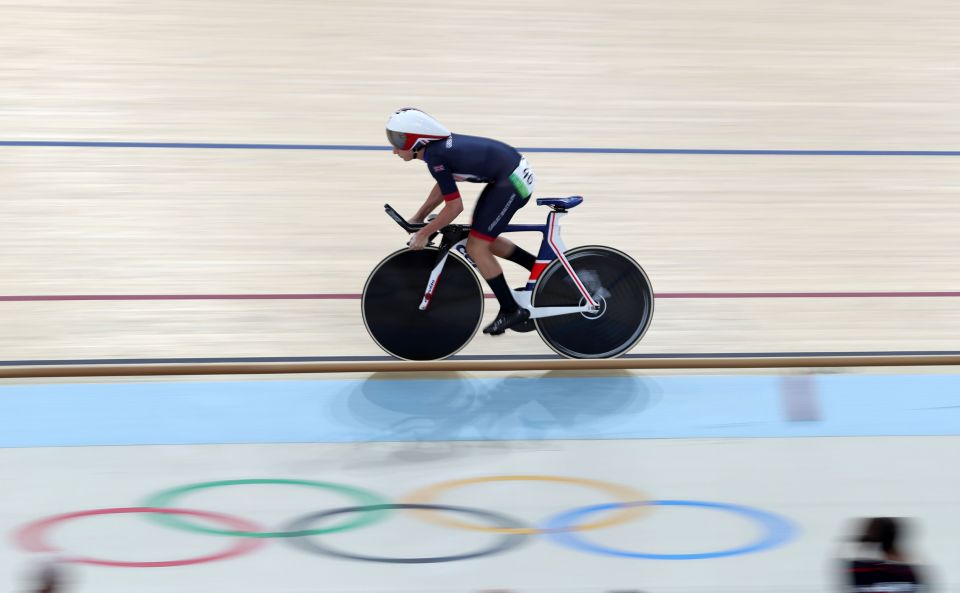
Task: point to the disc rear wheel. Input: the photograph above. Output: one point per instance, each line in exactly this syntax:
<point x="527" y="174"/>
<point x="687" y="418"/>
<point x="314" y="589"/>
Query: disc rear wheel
<point x="616" y="282"/>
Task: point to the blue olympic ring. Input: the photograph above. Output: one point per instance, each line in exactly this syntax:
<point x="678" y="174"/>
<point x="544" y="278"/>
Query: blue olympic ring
<point x="777" y="530"/>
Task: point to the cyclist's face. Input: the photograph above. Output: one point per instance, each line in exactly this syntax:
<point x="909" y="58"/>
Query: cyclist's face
<point x="407" y="155"/>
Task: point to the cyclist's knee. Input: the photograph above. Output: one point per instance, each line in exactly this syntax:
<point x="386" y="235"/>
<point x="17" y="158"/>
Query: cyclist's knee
<point x="477" y="247"/>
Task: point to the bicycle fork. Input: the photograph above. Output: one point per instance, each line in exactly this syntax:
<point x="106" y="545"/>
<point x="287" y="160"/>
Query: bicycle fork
<point x="450" y="241"/>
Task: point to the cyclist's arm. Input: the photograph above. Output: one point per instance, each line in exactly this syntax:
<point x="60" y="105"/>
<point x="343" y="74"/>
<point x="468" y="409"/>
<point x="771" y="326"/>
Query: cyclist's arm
<point x="446" y="189"/>
<point x="429" y="205"/>
<point x="451" y="209"/>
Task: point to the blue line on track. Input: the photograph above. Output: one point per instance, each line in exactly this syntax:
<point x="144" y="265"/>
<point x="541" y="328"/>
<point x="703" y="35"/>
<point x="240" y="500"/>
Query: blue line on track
<point x="569" y="150"/>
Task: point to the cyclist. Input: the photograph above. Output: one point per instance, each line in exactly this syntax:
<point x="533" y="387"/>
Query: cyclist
<point x="510" y="181"/>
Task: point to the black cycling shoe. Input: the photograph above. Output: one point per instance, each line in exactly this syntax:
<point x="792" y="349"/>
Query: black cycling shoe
<point x="524" y="326"/>
<point x="505" y="321"/>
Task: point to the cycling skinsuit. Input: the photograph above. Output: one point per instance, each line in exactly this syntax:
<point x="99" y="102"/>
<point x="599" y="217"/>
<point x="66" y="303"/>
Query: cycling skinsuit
<point x="510" y="180"/>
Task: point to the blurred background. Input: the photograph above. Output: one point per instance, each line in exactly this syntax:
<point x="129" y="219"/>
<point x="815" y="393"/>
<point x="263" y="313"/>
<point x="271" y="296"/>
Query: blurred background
<point x="205" y="179"/>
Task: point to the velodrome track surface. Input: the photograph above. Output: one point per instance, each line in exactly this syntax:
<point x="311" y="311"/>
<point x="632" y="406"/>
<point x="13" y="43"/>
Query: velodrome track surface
<point x="202" y="183"/>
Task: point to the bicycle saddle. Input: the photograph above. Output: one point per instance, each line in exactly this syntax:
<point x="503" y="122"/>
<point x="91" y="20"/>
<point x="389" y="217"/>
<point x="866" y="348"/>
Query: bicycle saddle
<point x="560" y="203"/>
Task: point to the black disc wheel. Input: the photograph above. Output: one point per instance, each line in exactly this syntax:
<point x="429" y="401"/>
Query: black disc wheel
<point x="616" y="282"/>
<point x="391" y="305"/>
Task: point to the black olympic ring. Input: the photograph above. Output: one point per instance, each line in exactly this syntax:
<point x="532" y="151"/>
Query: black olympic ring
<point x="506" y="542"/>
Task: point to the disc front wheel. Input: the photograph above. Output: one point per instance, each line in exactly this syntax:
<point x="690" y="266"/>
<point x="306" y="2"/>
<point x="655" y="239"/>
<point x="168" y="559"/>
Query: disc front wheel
<point x="391" y="305"/>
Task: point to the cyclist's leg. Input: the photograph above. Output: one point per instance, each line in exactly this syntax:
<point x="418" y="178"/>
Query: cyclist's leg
<point x="509" y="250"/>
<point x="501" y="246"/>
<point x="495" y="207"/>
<point x="490" y="209"/>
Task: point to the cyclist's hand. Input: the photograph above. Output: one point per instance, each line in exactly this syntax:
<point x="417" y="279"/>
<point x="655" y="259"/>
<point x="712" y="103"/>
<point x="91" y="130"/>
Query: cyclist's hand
<point x="419" y="240"/>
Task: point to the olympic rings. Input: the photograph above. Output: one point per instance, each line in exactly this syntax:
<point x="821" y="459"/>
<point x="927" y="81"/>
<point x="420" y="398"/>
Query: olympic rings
<point x="560" y="528"/>
<point x="777" y="530"/>
<point x="364" y="497"/>
<point x="623" y="493"/>
<point x="508" y="542"/>
<point x="31" y="537"/>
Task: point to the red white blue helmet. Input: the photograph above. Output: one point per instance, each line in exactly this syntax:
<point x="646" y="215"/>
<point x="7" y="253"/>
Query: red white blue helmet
<point x="409" y="129"/>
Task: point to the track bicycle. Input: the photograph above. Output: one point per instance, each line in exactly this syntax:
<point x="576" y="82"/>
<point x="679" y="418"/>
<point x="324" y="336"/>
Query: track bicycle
<point x="588" y="302"/>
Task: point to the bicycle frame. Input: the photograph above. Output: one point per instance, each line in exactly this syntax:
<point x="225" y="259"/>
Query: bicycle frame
<point x="551" y="247"/>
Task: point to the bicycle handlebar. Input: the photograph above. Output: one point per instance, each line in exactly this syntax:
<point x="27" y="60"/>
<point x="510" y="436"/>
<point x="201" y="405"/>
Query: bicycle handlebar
<point x="451" y="233"/>
<point x="410" y="227"/>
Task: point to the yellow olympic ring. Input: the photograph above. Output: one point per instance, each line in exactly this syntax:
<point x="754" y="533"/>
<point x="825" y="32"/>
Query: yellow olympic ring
<point x="621" y="493"/>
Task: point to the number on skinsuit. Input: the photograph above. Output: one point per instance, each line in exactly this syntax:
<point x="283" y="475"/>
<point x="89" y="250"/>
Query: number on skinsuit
<point x="523" y="179"/>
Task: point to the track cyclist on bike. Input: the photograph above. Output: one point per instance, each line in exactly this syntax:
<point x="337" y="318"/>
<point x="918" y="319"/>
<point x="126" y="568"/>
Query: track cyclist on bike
<point x="456" y="157"/>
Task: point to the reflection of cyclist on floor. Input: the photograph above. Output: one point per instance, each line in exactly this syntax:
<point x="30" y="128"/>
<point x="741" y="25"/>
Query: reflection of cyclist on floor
<point x="455" y="157"/>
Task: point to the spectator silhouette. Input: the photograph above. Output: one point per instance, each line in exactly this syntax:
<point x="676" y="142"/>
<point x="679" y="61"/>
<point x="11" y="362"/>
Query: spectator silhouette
<point x="880" y="564"/>
<point x="50" y="578"/>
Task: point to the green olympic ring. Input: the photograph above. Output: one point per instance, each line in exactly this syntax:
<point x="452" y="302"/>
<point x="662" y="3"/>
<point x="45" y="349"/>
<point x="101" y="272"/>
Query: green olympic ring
<point x="165" y="499"/>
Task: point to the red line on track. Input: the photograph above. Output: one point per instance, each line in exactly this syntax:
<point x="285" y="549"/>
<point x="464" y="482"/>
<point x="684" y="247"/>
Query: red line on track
<point x="356" y="296"/>
<point x="802" y="295"/>
<point x="183" y="297"/>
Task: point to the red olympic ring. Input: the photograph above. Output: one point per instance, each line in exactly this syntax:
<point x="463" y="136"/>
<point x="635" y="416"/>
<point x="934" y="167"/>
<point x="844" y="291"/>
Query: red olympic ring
<point x="31" y="536"/>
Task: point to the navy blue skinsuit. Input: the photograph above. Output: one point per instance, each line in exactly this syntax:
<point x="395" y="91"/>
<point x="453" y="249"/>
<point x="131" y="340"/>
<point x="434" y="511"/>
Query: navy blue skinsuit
<point x="479" y="160"/>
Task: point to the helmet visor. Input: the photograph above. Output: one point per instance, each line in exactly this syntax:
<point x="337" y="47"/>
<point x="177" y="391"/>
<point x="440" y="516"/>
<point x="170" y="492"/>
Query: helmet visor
<point x="397" y="139"/>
